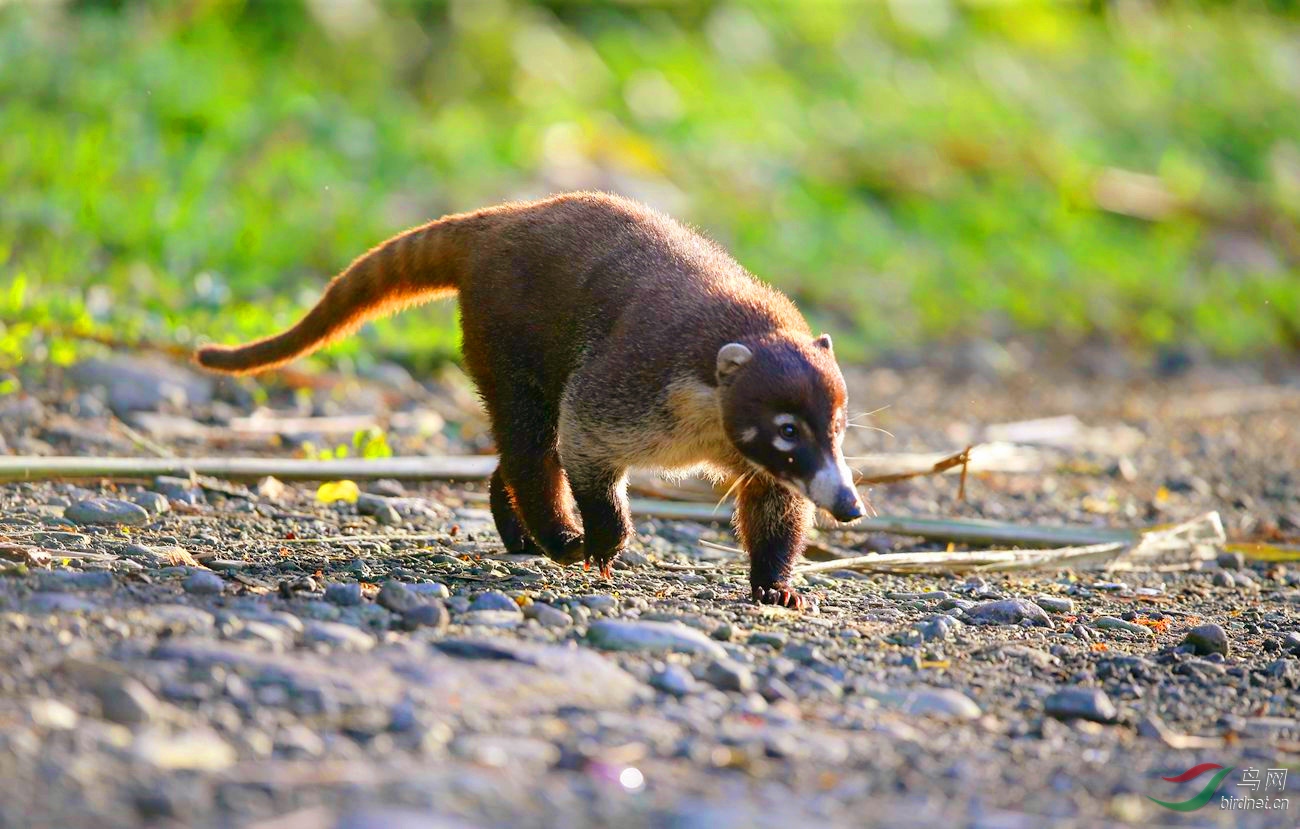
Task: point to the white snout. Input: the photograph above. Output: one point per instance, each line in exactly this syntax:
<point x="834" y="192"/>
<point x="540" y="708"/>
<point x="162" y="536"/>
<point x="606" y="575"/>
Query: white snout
<point x="831" y="480"/>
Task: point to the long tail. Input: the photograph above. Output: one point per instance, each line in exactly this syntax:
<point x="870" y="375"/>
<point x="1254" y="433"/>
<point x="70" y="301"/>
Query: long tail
<point x="417" y="266"/>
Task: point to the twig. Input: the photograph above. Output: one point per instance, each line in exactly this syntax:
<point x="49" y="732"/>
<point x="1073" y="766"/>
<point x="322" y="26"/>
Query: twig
<point x="964" y="560"/>
<point x="143" y="442"/>
<point x="460" y="468"/>
<point x="961" y="459"/>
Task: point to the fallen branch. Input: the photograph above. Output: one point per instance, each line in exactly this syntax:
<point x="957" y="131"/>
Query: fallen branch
<point x="956" y="562"/>
<point x="445" y="468"/>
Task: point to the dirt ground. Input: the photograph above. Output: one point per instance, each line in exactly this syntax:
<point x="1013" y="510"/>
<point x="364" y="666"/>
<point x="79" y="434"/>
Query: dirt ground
<point x="181" y="652"/>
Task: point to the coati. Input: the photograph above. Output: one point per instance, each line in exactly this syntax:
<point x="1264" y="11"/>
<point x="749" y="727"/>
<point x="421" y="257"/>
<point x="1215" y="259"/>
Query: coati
<point x="603" y="335"/>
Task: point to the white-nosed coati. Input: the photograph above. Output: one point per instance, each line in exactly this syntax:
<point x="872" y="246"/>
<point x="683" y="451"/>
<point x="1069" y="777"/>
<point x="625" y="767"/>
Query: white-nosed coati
<point x="602" y="336"/>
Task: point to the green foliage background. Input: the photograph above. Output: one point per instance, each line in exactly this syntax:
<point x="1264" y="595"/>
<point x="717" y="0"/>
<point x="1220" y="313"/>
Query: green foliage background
<point x="908" y="171"/>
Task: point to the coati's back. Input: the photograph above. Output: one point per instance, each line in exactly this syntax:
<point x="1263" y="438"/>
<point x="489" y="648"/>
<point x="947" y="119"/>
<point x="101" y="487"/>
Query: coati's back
<point x="549" y="277"/>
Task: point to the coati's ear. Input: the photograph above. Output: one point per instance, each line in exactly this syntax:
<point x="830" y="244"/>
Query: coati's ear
<point x="824" y="341"/>
<point x="731" y="357"/>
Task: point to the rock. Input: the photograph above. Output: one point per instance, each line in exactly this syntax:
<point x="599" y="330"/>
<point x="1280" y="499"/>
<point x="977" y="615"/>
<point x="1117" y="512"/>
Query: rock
<point x="729" y="675"/>
<point x="940" y="628"/>
<point x="388" y="516"/>
<point x="154" y="503"/>
<point x="618" y="635"/>
<point x="1291" y="643"/>
<point x="1231" y="560"/>
<point x="769" y="638"/>
<point x="52" y="714"/>
<point x="59" y="603"/>
<point x="432" y="615"/>
<point x="126" y="701"/>
<point x="204" y="583"/>
<point x="271" y="488"/>
<point x="72" y="580"/>
<point x="1112" y="623"/>
<point x="937" y="702"/>
<point x="394" y="596"/>
<point x="338" y="635"/>
<point x="181" y="490"/>
<point x="599" y="603"/>
<point x="343" y="594"/>
<point x="136" y="383"/>
<point x="199" y="750"/>
<point x="548" y="616"/>
<point x="494" y="600"/>
<point x="493" y="618"/>
<point x="1008" y="612"/>
<point x="673" y="679"/>
<point x="106" y="511"/>
<point x="1207" y="639"/>
<point x="1055" y="604"/>
<point x="1081" y="704"/>
<point x="1222" y="578"/>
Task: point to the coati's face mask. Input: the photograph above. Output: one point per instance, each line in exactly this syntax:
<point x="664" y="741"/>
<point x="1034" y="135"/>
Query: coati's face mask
<point x="783" y="409"/>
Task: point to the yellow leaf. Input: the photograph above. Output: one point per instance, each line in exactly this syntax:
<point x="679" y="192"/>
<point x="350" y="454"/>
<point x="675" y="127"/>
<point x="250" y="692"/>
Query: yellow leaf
<point x="338" y="491"/>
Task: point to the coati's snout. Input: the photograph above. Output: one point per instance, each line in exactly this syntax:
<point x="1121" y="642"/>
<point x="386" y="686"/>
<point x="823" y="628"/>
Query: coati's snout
<point x="783" y="408"/>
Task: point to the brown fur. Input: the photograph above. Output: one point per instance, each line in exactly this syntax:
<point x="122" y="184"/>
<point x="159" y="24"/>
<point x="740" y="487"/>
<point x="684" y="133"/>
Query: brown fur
<point x="592" y="327"/>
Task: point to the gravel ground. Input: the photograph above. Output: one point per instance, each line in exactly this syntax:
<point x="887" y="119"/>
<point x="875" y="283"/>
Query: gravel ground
<point x="192" y="654"/>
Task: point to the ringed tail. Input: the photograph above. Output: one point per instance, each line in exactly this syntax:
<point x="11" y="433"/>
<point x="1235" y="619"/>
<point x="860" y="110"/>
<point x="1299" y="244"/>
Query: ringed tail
<point x="418" y="266"/>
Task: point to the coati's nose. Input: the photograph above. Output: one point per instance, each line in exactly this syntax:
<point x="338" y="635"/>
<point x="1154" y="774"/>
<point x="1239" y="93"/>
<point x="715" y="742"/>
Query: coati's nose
<point x="847" y="506"/>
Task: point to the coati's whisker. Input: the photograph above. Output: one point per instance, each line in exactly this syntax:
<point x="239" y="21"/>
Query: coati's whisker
<point x="870" y="413"/>
<point x="736" y="484"/>
<point x="871" y="428"/>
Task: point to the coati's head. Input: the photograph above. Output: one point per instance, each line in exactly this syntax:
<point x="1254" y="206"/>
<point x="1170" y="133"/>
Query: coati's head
<point x="783" y="409"/>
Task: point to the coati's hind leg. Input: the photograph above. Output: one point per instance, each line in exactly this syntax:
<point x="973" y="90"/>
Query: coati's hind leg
<point x="601" y="495"/>
<point x="513" y="535"/>
<point x="525" y="430"/>
<point x="773" y="524"/>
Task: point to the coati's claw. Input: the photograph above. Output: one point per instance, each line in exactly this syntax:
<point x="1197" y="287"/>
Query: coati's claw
<point x="604" y="568"/>
<point x="779" y="594"/>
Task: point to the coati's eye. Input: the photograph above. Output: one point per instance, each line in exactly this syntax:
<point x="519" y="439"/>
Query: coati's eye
<point x="789" y="431"/>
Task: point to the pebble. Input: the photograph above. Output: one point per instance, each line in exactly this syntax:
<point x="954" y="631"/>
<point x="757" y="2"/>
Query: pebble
<point x="63" y="580"/>
<point x="154" y="503"/>
<point x="1112" y="623"/>
<point x="769" y="638"/>
<point x="1008" y="612"/>
<point x="1222" y="578"/>
<point x="1231" y="560"/>
<point x="1207" y="639"/>
<point x="388" y="516"/>
<point x="337" y="634"/>
<point x="673" y="679"/>
<point x="1055" y="604"/>
<point x="600" y="603"/>
<point x="395" y="596"/>
<point x="729" y="675"/>
<point x="940" y="628"/>
<point x="493" y="618"/>
<point x="548" y="616"/>
<point x="618" y="635"/>
<point x="126" y="701"/>
<point x="343" y="594"/>
<point x="1291" y="642"/>
<point x="940" y="702"/>
<point x="432" y="589"/>
<point x="203" y="583"/>
<point x="494" y="600"/>
<point x="106" y="511"/>
<point x="432" y="615"/>
<point x="1080" y="704"/>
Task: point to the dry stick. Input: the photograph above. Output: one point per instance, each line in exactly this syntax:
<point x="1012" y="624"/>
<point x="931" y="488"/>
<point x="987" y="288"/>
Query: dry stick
<point x="1017" y="559"/>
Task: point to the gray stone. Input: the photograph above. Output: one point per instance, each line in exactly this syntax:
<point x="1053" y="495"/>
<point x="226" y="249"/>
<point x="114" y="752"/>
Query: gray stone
<point x="770" y="638"/>
<point x="548" y="616"/>
<point x="729" y="675"/>
<point x="432" y="615"/>
<point x="1207" y="639"/>
<point x="106" y="511"/>
<point x="493" y="618"/>
<point x="59" y="603"/>
<point x="388" y="516"/>
<point x="1055" y="604"/>
<point x="617" y="635"/>
<point x="142" y="383"/>
<point x="394" y="596"/>
<point x="432" y="589"/>
<point x="673" y="679"/>
<point x="1081" y="704"/>
<point x="937" y="702"/>
<point x="1231" y="560"/>
<point x="599" y="602"/>
<point x="204" y="583"/>
<point x="494" y="600"/>
<point x="343" y="594"/>
<point x="338" y="635"/>
<point x="73" y="580"/>
<point x="1008" y="612"/>
<point x="1222" y="578"/>
<point x="126" y="701"/>
<point x="937" y="628"/>
<point x="154" y="503"/>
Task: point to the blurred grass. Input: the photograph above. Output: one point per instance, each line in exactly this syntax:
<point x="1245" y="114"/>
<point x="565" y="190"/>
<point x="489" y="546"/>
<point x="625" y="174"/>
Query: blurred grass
<point x="908" y="171"/>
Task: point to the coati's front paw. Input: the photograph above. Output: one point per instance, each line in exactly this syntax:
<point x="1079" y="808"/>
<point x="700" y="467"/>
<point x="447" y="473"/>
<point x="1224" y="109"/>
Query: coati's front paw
<point x="779" y="594"/>
<point x="570" y="550"/>
<point x="604" y="563"/>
